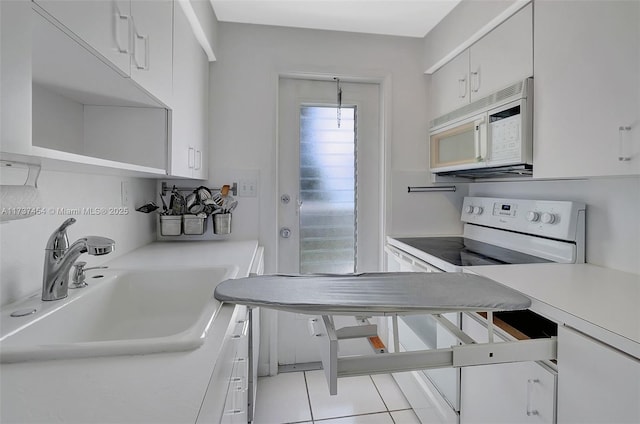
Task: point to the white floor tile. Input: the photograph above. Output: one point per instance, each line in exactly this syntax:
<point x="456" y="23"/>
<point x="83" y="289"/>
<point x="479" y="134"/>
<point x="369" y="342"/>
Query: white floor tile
<point x="383" y="418"/>
<point x="406" y="417"/>
<point x="356" y="395"/>
<point x="282" y="399"/>
<point x="390" y="392"/>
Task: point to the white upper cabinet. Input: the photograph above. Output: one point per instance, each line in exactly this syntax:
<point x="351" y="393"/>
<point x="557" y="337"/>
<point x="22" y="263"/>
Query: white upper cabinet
<point x="587" y="88"/>
<point x="152" y="46"/>
<point x="450" y="85"/>
<point x="102" y="24"/>
<point x="189" y="140"/>
<point x="135" y="36"/>
<point x="502" y="57"/>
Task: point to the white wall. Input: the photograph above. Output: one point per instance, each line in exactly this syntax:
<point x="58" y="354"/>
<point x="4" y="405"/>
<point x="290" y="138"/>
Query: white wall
<point x="243" y="107"/>
<point x="612" y="226"/>
<point x="22" y="242"/>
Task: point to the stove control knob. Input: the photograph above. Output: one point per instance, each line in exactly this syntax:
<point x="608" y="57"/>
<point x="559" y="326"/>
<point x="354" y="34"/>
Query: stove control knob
<point x="469" y="209"/>
<point x="533" y="216"/>
<point x="548" y="218"/>
<point x="478" y="210"/>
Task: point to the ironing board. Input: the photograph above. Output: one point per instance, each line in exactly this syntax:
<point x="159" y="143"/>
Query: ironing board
<point x="390" y="294"/>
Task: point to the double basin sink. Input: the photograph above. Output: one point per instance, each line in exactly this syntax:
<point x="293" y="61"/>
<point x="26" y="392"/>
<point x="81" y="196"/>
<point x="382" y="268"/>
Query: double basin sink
<point x="121" y="312"/>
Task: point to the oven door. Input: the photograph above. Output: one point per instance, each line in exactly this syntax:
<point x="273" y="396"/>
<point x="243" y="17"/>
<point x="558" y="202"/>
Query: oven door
<point x="421" y="332"/>
<point x="459" y="146"/>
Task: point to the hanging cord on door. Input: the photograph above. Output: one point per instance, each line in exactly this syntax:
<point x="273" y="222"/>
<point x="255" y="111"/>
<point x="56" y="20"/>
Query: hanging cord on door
<point x="339" y="96"/>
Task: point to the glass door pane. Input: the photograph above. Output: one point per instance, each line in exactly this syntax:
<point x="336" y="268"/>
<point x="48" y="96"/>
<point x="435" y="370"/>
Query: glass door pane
<point x="327" y="190"/>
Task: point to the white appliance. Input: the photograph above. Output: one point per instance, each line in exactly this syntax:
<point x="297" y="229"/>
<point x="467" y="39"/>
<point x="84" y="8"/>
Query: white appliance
<point x="496" y="231"/>
<point x="491" y="133"/>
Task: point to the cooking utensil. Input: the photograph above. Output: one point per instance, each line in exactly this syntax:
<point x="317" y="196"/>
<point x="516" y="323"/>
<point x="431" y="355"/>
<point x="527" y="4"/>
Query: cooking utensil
<point x="203" y="193"/>
<point x="146" y="208"/>
<point x="192" y="199"/>
<point x="178" y="203"/>
<point x="165" y="210"/>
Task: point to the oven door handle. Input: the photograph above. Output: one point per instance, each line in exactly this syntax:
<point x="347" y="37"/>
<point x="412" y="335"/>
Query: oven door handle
<point x="478" y="139"/>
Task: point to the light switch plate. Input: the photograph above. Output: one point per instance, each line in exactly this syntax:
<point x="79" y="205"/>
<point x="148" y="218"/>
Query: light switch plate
<point x="248" y="188"/>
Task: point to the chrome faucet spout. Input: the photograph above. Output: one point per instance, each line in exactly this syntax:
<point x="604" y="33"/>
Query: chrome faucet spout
<point x="59" y="257"/>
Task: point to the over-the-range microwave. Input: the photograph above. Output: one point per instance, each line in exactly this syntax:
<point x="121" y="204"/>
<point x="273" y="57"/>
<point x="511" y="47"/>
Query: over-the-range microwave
<point x="494" y="132"/>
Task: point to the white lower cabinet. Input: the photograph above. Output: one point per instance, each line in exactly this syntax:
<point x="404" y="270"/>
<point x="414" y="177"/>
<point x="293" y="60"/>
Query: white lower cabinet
<point x="597" y="383"/>
<point x="523" y="392"/>
<point x="226" y="399"/>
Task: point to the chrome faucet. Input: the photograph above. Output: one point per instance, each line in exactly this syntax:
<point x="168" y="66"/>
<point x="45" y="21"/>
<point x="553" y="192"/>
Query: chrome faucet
<point x="59" y="257"/>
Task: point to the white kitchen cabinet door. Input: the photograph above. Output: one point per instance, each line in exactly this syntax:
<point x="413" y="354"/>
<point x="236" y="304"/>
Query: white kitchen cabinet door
<point x="190" y="102"/>
<point x="152" y="47"/>
<point x="15" y="77"/>
<point x="596" y="383"/>
<point x="521" y="392"/>
<point x="587" y="62"/>
<point x="502" y="57"/>
<point x="450" y="86"/>
<point x="102" y="24"/>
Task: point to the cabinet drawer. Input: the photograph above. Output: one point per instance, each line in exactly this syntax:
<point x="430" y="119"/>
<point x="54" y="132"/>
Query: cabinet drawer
<point x="228" y="382"/>
<point x="523" y="392"/>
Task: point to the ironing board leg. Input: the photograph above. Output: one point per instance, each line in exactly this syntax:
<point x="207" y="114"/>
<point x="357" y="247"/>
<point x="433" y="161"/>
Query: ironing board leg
<point x="396" y="340"/>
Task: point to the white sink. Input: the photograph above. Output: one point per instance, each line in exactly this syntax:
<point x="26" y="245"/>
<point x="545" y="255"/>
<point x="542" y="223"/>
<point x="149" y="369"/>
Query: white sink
<point x="121" y="312"/>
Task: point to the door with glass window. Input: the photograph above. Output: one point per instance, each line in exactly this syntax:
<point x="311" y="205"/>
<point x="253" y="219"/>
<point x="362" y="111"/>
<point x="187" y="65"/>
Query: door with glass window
<point x="329" y="187"/>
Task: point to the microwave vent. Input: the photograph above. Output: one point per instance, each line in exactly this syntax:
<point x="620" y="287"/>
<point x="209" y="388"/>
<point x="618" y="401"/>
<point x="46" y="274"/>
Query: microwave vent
<point x="516" y="91"/>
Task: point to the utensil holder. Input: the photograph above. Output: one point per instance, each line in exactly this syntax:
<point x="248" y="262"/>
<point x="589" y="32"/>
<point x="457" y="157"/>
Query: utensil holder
<point x="170" y="225"/>
<point x="222" y="223"/>
<point x="193" y="225"/>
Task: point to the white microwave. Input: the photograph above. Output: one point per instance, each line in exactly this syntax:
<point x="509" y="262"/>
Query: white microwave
<point x="492" y="132"/>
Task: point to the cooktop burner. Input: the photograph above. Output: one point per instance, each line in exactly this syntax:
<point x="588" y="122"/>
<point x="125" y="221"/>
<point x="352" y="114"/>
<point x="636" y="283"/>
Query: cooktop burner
<point x="462" y="251"/>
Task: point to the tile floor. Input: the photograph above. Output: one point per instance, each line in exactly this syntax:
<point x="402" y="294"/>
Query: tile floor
<point x="303" y="397"/>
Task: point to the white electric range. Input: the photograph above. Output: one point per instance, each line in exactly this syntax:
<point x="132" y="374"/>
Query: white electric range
<point x="496" y="231"/>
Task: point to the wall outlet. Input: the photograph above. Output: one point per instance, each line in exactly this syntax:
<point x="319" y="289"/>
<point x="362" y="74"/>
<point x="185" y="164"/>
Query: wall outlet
<point x="247" y="188"/>
<point x="124" y="193"/>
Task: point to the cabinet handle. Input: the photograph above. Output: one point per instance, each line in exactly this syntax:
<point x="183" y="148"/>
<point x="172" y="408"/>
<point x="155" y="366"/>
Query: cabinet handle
<point x="198" y="160"/>
<point x="530" y="383"/>
<point x="624" y="144"/>
<point x="475" y="75"/>
<point x="462" y="87"/>
<point x="191" y="158"/>
<point x="144" y="38"/>
<point x="117" y="21"/>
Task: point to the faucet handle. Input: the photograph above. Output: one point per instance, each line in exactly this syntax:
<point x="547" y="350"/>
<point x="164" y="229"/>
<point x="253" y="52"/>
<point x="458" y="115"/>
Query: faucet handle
<point x="78" y="278"/>
<point x="59" y="239"/>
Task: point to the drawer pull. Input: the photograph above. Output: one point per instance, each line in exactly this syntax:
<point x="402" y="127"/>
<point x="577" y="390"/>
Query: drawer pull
<point x="530" y="383"/>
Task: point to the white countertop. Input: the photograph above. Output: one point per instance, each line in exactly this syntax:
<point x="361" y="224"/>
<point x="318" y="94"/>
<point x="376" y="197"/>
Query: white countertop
<point x="163" y="387"/>
<point x="601" y="302"/>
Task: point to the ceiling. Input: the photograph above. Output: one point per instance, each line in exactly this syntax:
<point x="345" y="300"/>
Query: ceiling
<point x="409" y="18"/>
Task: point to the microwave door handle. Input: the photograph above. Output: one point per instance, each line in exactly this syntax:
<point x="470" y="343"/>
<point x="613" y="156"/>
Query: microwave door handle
<point x="477" y="138"/>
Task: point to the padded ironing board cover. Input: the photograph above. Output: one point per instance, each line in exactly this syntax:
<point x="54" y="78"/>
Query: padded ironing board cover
<point x="372" y="293"/>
